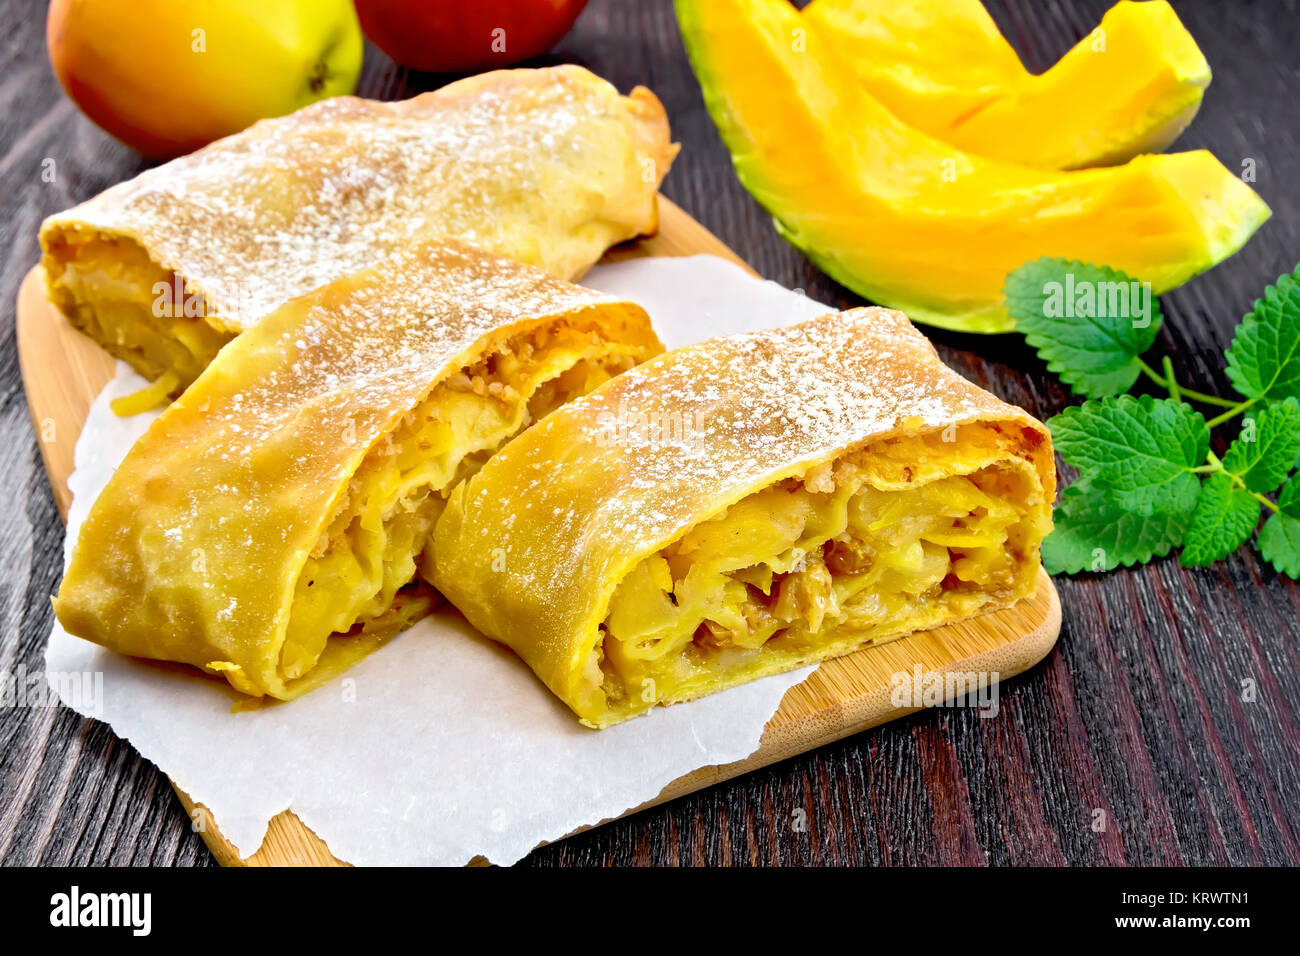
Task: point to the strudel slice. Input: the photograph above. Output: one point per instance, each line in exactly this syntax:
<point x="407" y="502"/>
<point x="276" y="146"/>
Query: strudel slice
<point x="744" y="506"/>
<point x="549" y="167"/>
<point x="269" y="524"/>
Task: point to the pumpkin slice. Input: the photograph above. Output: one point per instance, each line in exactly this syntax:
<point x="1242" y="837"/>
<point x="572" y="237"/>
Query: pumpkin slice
<point x="1129" y="87"/>
<point x="931" y="62"/>
<point x="910" y="222"/>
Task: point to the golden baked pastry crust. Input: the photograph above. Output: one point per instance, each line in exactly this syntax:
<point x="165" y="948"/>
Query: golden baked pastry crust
<point x="619" y="546"/>
<point x="316" y="450"/>
<point x="548" y="167"/>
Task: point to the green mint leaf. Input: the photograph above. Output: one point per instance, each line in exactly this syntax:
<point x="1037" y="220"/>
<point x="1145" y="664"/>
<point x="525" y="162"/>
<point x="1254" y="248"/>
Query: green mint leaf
<point x="1089" y="323"/>
<point x="1288" y="501"/>
<point x="1096" y="531"/>
<point x="1266" y="449"/>
<point x="1141" y="450"/>
<point x="1223" y="521"/>
<point x="1279" y="543"/>
<point x="1279" y="539"/>
<point x="1264" y="360"/>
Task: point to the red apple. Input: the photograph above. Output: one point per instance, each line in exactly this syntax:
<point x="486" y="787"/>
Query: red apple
<point x="459" y="36"/>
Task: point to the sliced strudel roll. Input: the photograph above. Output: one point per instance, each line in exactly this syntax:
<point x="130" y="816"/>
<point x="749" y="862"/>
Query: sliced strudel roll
<point x="744" y="506"/>
<point x="549" y="167"/>
<point x="267" y="525"/>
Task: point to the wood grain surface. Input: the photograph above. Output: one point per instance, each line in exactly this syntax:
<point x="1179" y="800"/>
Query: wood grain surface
<point x="1164" y="728"/>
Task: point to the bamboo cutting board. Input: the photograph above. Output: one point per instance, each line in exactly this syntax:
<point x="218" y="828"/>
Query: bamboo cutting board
<point x="63" y="371"/>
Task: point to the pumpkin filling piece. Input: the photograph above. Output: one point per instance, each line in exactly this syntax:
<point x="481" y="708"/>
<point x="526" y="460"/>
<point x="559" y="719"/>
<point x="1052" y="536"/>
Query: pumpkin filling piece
<point x="905" y="534"/>
<point x="139" y="311"/>
<point x="359" y="576"/>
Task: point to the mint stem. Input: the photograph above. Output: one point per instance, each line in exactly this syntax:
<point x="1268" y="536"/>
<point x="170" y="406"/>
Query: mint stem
<point x="1216" y="465"/>
<point x="1205" y="399"/>
<point x="1265" y="502"/>
<point x="1176" y="391"/>
<point x="1168" y="366"/>
<point x="1232" y="412"/>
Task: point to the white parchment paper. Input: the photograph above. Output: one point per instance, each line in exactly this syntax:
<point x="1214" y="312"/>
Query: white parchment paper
<point x="442" y="745"/>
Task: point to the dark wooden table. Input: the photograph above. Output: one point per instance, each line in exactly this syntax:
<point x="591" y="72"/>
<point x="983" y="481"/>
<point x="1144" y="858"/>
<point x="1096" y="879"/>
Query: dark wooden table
<point x="1139" y="713"/>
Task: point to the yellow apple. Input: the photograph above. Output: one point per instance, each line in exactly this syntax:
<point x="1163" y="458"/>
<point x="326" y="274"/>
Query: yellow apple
<point x="168" y="76"/>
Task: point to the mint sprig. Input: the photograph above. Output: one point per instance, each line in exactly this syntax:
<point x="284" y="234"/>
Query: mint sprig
<point x="1224" y="519"/>
<point x="1095" y="531"/>
<point x="1089" y="323"/>
<point x="1141" y="450"/>
<point x="1264" y="358"/>
<point x="1266" y="450"/>
<point x="1148" y="481"/>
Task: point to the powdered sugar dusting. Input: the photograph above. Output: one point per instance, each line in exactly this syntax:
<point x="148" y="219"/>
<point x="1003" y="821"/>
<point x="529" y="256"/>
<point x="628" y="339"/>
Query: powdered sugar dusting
<point x="371" y="345"/>
<point x="542" y="166"/>
<point x="666" y="444"/>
